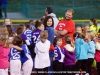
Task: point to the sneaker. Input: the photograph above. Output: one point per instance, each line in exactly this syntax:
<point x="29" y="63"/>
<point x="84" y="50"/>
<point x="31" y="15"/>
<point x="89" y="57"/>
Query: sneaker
<point x="76" y="74"/>
<point x="87" y="74"/>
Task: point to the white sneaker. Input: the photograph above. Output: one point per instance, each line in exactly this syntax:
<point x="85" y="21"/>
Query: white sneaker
<point x="87" y="74"/>
<point x="76" y="74"/>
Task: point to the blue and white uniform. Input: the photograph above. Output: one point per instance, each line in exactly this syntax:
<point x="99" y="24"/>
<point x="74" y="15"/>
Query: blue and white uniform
<point x="15" y="54"/>
<point x="28" y="64"/>
<point x="28" y="35"/>
<point x="15" y="63"/>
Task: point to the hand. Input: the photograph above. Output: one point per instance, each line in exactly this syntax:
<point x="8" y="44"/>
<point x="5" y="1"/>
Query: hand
<point x="75" y="60"/>
<point x="53" y="59"/>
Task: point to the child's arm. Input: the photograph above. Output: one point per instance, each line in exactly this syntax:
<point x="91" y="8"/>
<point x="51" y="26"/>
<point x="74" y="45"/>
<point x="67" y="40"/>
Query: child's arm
<point x="27" y="42"/>
<point x="91" y="48"/>
<point x="14" y="46"/>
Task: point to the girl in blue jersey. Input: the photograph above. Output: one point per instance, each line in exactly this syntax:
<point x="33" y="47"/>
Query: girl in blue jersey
<point x="81" y="52"/>
<point x="92" y="48"/>
<point x="28" y="31"/>
<point x="58" y="56"/>
<point x="27" y="61"/>
<point x="25" y="56"/>
<point x="15" y="56"/>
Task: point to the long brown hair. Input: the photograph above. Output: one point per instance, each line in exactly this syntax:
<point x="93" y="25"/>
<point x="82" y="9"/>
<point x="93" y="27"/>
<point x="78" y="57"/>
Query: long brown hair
<point x="68" y="40"/>
<point x="17" y="41"/>
<point x="56" y="39"/>
<point x="94" y="23"/>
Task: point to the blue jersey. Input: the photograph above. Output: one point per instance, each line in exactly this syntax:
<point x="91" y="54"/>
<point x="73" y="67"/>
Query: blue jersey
<point x="58" y="54"/>
<point x="15" y="54"/>
<point x="35" y="36"/>
<point x="28" y="34"/>
<point x="25" y="49"/>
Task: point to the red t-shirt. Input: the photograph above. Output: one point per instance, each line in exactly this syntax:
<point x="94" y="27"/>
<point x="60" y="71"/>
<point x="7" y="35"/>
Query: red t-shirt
<point x="68" y="25"/>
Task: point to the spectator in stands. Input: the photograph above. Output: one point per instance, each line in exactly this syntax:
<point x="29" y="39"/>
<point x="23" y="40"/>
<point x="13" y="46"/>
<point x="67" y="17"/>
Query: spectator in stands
<point x="4" y="7"/>
<point x="66" y="26"/>
<point x="49" y="12"/>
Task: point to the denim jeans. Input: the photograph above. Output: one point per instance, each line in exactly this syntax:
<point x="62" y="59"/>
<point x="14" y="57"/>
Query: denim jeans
<point x="51" y="54"/>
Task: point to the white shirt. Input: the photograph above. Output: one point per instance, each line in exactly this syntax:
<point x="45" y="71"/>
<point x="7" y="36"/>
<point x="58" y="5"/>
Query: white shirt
<point x="42" y="59"/>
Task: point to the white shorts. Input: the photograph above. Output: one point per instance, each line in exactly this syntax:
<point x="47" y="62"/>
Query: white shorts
<point x="4" y="71"/>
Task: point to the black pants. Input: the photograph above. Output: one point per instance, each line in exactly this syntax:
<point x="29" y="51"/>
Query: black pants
<point x="98" y="67"/>
<point x="89" y="64"/>
<point x="69" y="70"/>
<point x="81" y="64"/>
<point x="43" y="71"/>
<point x="57" y="67"/>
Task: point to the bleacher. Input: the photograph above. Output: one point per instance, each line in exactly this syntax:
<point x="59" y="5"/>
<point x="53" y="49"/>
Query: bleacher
<point x="84" y="9"/>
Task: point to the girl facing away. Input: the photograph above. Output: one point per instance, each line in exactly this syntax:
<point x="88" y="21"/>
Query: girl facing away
<point x="3" y="29"/>
<point x="15" y="56"/>
<point x="81" y="53"/>
<point x="25" y="56"/>
<point x="20" y="32"/>
<point x="58" y="56"/>
<point x="11" y="34"/>
<point x="4" y="52"/>
<point x="28" y="31"/>
<point x="42" y="60"/>
<point x="69" y="59"/>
